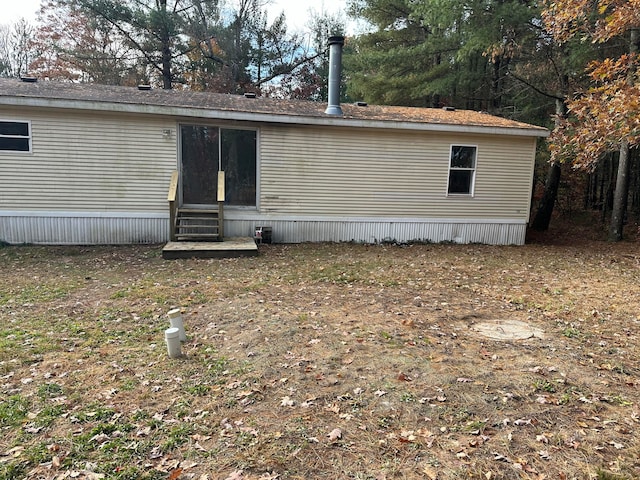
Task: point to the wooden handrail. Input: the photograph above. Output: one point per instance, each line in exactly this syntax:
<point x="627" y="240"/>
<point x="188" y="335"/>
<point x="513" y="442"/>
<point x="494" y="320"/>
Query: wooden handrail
<point x="172" y="197"/>
<point x="221" y="195"/>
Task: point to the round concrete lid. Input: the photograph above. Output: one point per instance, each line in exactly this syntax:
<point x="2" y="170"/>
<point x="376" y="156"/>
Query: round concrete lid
<point x="507" y="330"/>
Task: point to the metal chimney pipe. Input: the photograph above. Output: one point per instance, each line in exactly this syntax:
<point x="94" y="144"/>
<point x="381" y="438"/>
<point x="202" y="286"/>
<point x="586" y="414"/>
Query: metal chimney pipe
<point x="335" y="71"/>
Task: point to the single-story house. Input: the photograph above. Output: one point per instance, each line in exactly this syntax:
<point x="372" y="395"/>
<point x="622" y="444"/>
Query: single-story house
<point x="92" y="164"/>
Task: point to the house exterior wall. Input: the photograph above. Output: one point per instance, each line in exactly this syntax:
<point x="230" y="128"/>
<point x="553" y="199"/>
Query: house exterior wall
<point x="332" y="184"/>
<point x="90" y="178"/>
<point x="102" y="178"/>
<point x="313" y="171"/>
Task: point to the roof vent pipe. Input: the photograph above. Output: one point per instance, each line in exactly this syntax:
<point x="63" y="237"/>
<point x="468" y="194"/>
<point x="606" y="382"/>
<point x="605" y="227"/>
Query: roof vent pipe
<point x="335" y="71"/>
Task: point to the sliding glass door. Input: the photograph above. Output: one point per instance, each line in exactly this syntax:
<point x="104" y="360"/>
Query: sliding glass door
<point x="205" y="150"/>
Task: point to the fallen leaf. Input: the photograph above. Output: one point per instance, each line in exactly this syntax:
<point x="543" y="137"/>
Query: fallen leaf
<point x="544" y="455"/>
<point x="269" y="476"/>
<point x="522" y="421"/>
<point x="14" y="452"/>
<point x="99" y="438"/>
<point x="175" y="474"/>
<point x="332" y="408"/>
<point x="430" y="473"/>
<point x="286" y="402"/>
<point x="542" y="438"/>
<point x="335" y="434"/>
<point x="237" y="475"/>
<point x="408" y="435"/>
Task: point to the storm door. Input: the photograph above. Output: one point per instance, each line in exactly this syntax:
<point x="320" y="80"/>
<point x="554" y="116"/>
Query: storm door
<point x="200" y="156"/>
<point x="205" y="150"/>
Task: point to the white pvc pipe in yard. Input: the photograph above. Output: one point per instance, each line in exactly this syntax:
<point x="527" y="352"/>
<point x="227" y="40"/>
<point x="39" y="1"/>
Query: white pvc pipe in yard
<point x="172" y="337"/>
<point x="175" y="319"/>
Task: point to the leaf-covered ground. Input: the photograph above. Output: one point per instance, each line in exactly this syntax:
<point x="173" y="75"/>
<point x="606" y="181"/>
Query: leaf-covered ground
<point x="321" y="361"/>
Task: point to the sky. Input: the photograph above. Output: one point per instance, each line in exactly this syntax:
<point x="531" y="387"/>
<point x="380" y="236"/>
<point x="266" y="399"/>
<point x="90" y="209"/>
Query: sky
<point x="296" y="11"/>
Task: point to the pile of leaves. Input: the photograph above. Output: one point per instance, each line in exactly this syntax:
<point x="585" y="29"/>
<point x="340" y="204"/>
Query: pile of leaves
<point x="321" y="361"/>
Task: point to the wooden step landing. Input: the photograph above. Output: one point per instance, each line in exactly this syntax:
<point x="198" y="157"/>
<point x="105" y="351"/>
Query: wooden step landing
<point x="232" y="247"/>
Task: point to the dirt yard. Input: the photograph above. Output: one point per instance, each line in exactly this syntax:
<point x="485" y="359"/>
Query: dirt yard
<point x="329" y="361"/>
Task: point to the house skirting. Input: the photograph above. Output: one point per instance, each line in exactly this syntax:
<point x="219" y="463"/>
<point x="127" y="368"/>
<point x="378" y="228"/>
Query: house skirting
<point x="99" y="228"/>
<point x="83" y="228"/>
<point x="378" y="230"/>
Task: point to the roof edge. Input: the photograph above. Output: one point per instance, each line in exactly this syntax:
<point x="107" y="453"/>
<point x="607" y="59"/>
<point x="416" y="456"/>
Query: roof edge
<point x="195" y="112"/>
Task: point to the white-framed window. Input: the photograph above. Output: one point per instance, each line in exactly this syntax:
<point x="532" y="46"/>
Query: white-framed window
<point x="15" y="136"/>
<point x="462" y="169"/>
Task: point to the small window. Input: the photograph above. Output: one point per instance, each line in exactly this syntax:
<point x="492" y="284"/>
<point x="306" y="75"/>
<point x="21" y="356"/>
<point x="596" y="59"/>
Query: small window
<point x="15" y="136"/>
<point x="462" y="169"/>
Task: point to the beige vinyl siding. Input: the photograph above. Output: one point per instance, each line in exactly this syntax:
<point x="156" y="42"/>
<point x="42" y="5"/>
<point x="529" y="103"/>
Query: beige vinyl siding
<point x="357" y="172"/>
<point x="94" y="162"/>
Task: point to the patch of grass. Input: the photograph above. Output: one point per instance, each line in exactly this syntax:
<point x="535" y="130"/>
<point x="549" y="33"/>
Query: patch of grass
<point x="544" y="386"/>
<point x="176" y="437"/>
<point x="37" y="453"/>
<point x="571" y="332"/>
<point x="605" y="475"/>
<point x="617" y="400"/>
<point x="12" y="471"/>
<point x="49" y="414"/>
<point x="38" y="293"/>
<point x="198" y="390"/>
<point x="386" y="335"/>
<point x="136" y="473"/>
<point x="13" y="410"/>
<point x="50" y="390"/>
<point x="95" y="412"/>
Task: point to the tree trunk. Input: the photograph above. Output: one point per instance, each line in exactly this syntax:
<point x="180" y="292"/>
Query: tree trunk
<point x="165" y="49"/>
<point x="622" y="181"/>
<point x="545" y="209"/>
<point x="620" y="194"/>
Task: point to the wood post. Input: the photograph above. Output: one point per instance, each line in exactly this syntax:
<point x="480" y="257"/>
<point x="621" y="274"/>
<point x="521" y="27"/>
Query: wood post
<point x="171" y="198"/>
<point x="221" y="196"/>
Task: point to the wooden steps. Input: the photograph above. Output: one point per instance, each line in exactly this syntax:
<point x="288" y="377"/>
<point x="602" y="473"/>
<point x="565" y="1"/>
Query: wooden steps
<point x="197" y="225"/>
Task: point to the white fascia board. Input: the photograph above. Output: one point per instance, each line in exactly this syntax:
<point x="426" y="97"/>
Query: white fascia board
<point x="193" y="112"/>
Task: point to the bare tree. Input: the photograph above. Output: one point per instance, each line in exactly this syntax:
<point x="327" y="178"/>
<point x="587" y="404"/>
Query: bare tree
<point x="16" y="48"/>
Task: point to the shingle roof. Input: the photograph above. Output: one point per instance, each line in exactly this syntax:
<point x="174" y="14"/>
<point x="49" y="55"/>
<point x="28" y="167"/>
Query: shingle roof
<point x="50" y="93"/>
